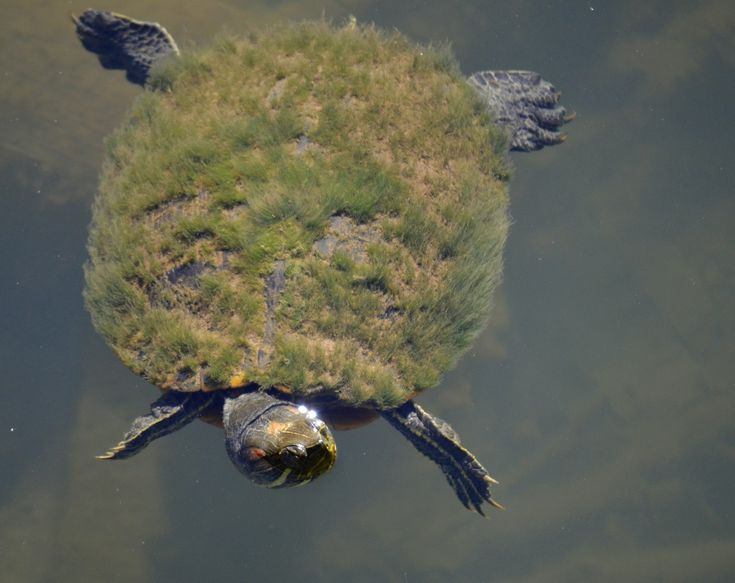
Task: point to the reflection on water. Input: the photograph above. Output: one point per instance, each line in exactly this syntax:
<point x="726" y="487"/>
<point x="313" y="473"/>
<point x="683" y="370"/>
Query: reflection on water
<point x="601" y="396"/>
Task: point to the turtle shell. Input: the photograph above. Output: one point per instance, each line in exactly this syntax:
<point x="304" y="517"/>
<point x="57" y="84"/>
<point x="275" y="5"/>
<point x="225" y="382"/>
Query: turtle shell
<point x="321" y="210"/>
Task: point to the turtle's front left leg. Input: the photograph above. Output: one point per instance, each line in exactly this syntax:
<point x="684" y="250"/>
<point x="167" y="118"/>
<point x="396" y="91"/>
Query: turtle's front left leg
<point x="435" y="438"/>
<point x="169" y="413"/>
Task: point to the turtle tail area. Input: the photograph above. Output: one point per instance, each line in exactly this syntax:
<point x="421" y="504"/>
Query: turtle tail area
<point x="169" y="413"/>
<point x="435" y="438"/>
<point x="525" y="105"/>
<point x="123" y="43"/>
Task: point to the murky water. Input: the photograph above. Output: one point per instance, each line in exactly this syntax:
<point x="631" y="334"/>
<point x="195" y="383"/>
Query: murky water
<point x="602" y="395"/>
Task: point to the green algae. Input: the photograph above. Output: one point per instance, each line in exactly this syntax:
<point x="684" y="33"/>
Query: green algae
<point x="361" y="160"/>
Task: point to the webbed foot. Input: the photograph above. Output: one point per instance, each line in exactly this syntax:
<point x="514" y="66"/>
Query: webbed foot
<point x="526" y="105"/>
<point x="169" y="413"/>
<point x="123" y="43"/>
<point x="435" y="438"/>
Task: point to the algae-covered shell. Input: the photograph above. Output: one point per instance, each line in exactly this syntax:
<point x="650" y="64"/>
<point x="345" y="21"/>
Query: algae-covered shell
<point x="317" y="209"/>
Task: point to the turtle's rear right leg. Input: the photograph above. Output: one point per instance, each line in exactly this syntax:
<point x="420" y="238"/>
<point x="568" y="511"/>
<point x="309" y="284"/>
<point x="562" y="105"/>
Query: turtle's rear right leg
<point x="121" y="42"/>
<point x="169" y="413"/>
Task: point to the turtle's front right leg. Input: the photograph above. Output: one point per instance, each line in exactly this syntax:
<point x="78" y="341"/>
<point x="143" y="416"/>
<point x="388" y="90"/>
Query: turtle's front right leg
<point x="169" y="413"/>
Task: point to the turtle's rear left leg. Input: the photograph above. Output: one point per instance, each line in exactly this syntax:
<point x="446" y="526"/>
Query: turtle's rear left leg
<point x="524" y="104"/>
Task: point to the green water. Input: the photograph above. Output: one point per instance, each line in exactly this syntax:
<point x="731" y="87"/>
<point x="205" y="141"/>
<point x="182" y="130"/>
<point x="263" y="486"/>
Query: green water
<point x="602" y="395"/>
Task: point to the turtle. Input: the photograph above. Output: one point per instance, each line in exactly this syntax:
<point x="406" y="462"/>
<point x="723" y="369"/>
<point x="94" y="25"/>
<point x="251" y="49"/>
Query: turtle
<point x="299" y="230"/>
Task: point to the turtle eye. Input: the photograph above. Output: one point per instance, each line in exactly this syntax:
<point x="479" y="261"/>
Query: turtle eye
<point x="293" y="455"/>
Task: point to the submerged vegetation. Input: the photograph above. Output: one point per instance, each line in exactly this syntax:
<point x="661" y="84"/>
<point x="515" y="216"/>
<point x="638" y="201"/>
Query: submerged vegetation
<point x="361" y="162"/>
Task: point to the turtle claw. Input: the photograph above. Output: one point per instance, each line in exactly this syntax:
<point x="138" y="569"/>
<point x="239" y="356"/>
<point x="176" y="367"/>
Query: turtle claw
<point x="551" y="117"/>
<point x="496" y="504"/>
<point x="491" y="480"/>
<point x="114" y="452"/>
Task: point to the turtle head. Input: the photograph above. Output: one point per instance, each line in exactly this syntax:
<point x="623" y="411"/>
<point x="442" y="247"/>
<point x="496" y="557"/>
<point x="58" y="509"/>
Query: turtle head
<point x="275" y="443"/>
